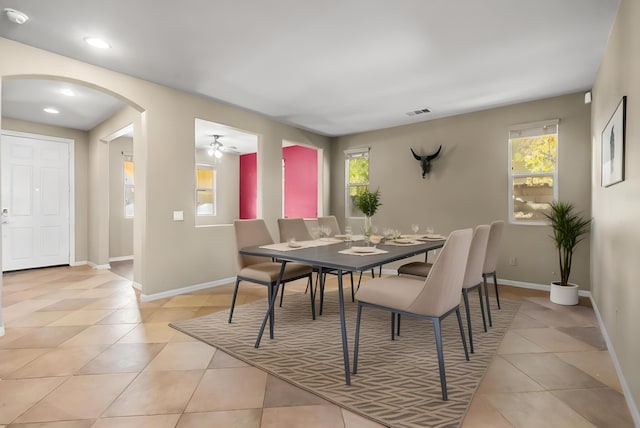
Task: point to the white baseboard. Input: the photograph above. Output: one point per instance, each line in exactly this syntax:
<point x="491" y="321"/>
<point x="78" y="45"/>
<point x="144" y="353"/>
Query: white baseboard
<point x="633" y="409"/>
<point x="188" y="289"/>
<point x="1" y="330"/>
<point x="95" y="266"/>
<point x="534" y="286"/>
<point x="136" y="285"/>
<point x="79" y="263"/>
<point x="120" y="258"/>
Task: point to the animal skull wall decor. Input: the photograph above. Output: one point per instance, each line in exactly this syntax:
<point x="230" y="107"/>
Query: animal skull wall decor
<point x="425" y="161"/>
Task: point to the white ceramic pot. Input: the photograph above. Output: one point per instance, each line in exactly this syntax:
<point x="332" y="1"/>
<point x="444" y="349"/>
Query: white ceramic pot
<point x="564" y="295"/>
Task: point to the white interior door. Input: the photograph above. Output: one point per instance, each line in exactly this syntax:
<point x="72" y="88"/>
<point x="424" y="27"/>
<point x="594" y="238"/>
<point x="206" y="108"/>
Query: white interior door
<point x="35" y="202"/>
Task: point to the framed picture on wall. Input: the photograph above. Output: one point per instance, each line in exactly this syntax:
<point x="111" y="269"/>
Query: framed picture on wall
<point x="613" y="146"/>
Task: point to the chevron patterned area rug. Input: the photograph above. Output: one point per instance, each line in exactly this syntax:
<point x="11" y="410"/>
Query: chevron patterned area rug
<point x="397" y="382"/>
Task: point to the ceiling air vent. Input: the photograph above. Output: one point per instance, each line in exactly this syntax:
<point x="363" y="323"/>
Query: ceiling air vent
<point x="417" y="112"/>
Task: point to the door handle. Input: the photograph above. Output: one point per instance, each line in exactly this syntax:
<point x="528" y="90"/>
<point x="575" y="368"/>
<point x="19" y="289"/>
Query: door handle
<point x="4" y="216"/>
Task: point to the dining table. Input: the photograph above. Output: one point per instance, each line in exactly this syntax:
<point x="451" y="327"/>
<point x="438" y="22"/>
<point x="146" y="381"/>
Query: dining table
<point x="339" y="256"/>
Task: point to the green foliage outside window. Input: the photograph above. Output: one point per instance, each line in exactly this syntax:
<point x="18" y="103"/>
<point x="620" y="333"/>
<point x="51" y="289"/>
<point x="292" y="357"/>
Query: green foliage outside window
<point x="357" y="181"/>
<point x="535" y="155"/>
<point x="358" y="174"/>
<point x="533" y="166"/>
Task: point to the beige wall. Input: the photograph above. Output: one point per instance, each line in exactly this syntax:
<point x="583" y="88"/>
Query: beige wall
<point x="468" y="183"/>
<point x="120" y="227"/>
<point x="81" y="156"/>
<point x="168" y="254"/>
<point x="615" y="237"/>
<point x="99" y="184"/>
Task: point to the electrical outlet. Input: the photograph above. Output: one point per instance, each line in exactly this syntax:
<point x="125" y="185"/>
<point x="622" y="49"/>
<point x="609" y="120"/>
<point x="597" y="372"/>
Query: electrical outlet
<point x="513" y="261"/>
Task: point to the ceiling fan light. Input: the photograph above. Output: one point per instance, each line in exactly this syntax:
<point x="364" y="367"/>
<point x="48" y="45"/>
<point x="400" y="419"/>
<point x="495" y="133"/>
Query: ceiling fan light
<point x="217" y="154"/>
<point x="210" y="151"/>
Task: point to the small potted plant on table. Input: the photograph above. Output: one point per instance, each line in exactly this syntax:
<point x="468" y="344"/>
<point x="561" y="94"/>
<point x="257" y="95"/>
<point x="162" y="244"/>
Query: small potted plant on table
<point x="368" y="202"/>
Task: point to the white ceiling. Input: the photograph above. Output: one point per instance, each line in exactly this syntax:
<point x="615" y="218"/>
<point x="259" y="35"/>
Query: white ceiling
<point x="86" y="108"/>
<point x="336" y="66"/>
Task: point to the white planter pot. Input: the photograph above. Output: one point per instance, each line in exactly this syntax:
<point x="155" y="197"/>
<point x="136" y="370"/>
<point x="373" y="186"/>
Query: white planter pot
<point x="564" y="295"/>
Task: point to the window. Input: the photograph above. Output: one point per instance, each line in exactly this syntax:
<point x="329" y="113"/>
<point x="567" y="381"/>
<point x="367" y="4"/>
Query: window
<point x="533" y="171"/>
<point x="129" y="186"/>
<point x="205" y="190"/>
<point x="356" y="178"/>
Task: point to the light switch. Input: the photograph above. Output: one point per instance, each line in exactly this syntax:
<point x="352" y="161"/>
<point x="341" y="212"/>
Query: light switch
<point x="178" y="216"/>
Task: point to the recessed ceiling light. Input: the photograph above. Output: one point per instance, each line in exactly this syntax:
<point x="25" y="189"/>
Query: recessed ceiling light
<point x="97" y="42"/>
<point x="68" y="92"/>
<point x="51" y="110"/>
<point x="16" y="16"/>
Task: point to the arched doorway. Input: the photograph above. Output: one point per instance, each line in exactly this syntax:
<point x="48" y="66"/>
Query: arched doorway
<point x="84" y="114"/>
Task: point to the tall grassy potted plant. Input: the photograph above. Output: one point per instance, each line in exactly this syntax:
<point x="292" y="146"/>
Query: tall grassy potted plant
<point x="569" y="229"/>
<point x="368" y="202"/>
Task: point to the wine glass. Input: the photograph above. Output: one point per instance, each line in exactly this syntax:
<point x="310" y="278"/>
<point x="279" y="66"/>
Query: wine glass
<point x="415" y="227"/>
<point x="429" y="230"/>
<point x="347" y="231"/>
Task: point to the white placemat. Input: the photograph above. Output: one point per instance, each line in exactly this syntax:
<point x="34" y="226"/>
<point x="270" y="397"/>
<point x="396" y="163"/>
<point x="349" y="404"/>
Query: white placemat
<point x="354" y="252"/>
<point x="285" y="246"/>
<point x="402" y="244"/>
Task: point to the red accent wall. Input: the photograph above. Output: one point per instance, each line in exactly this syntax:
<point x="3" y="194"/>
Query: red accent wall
<point x="248" y="186"/>
<point x="300" y="181"/>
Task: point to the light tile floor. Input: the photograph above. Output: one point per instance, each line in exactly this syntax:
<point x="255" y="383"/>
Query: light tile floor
<point x="81" y="350"/>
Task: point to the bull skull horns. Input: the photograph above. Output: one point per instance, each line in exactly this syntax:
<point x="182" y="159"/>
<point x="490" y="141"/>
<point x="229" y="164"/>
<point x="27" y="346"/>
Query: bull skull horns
<point x="425" y="161"/>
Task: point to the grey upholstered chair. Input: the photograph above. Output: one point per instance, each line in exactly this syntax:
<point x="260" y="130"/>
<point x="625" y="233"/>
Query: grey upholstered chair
<point x="330" y="222"/>
<point x="434" y="298"/>
<point x="472" y="278"/>
<point x="293" y="228"/>
<point x="259" y="270"/>
<point x="490" y="260"/>
<point x="415" y="268"/>
<point x="473" y="274"/>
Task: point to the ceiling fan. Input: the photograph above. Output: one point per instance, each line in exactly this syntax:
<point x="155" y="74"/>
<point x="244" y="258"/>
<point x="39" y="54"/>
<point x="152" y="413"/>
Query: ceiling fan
<point x="216" y="148"/>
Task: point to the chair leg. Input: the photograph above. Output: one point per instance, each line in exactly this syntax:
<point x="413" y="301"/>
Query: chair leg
<point x="357" y="344"/>
<point x="393" y="326"/>
<point x="443" y="379"/>
<point x="352" y="288"/>
<point x="395" y="331"/>
<point x="313" y="296"/>
<point x="464" y="342"/>
<point x="282" y="294"/>
<point x="486" y="296"/>
<point x="484" y="320"/>
<point x="233" y="301"/>
<point x="495" y="284"/>
<point x="353" y="293"/>
<point x="321" y="292"/>
<point x="465" y="295"/>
